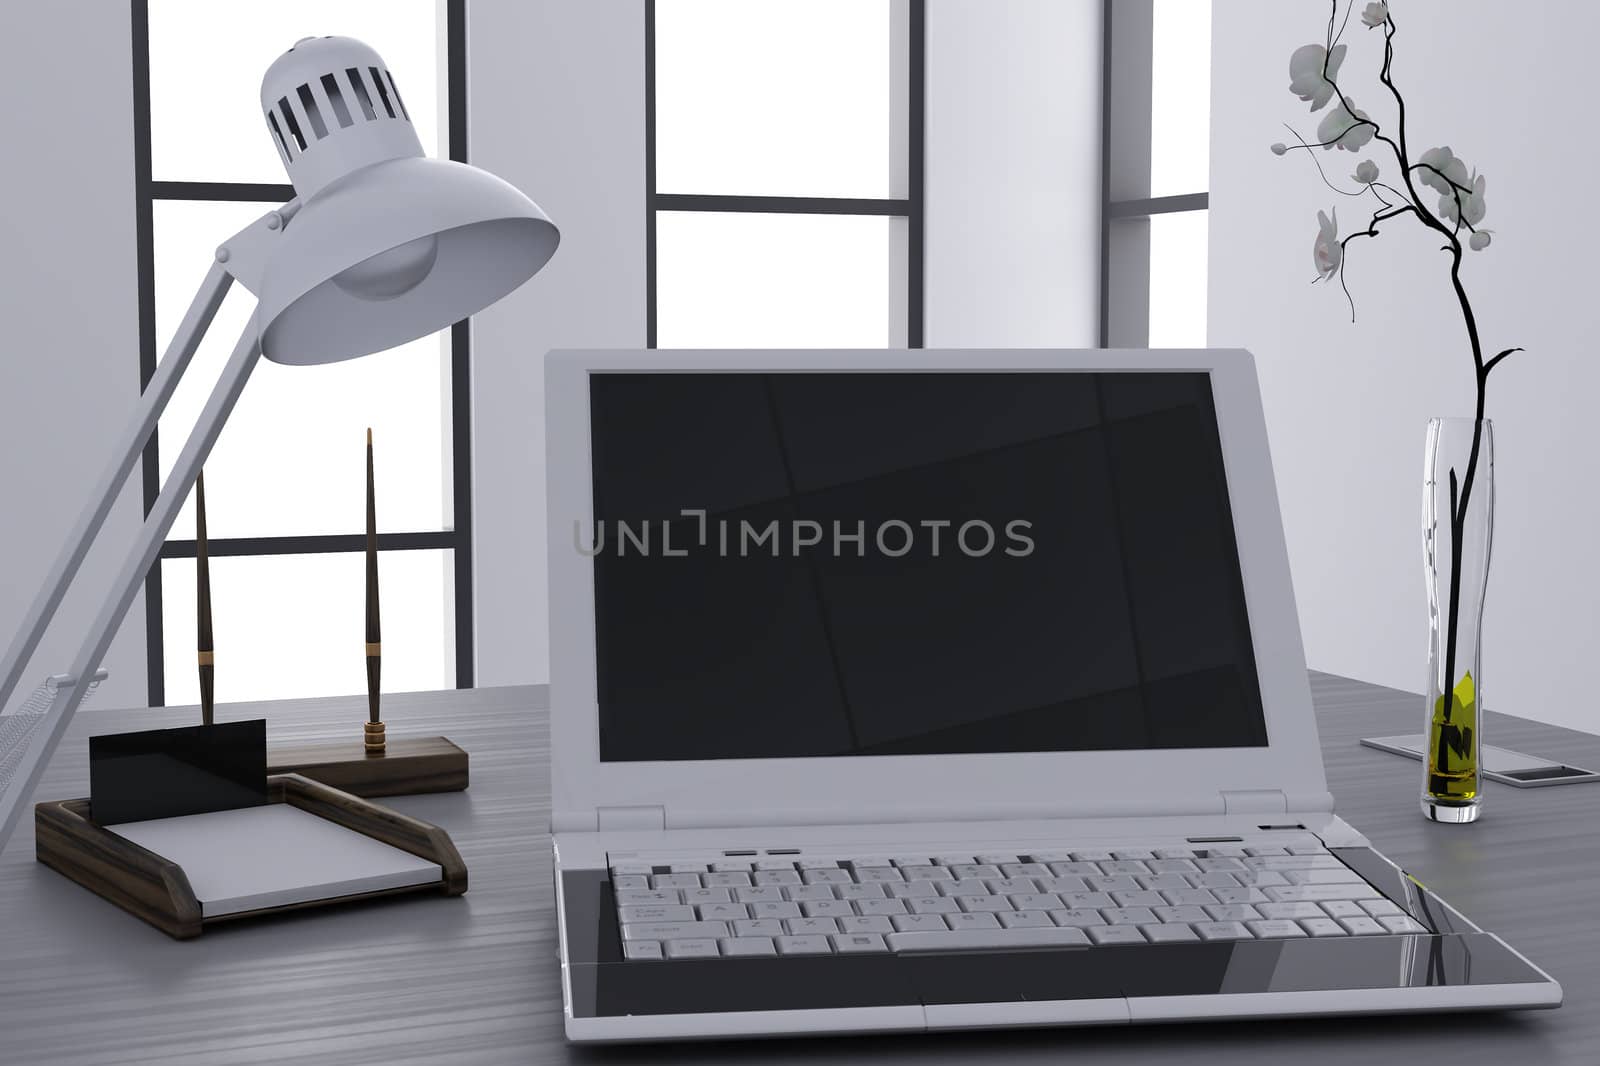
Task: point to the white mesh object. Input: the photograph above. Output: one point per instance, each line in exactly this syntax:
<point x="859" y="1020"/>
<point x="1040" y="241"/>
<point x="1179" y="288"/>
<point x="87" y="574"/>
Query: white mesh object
<point x="17" y="728"/>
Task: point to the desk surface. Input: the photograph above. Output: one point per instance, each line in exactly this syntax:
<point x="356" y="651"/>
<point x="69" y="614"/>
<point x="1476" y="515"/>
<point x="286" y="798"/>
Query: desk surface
<point x="474" y="980"/>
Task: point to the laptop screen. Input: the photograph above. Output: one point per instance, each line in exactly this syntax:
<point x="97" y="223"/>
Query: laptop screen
<point x="828" y="564"/>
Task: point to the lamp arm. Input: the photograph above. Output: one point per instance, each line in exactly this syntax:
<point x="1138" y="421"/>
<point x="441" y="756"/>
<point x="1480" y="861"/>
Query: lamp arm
<point x="140" y="558"/>
<point x="151" y="403"/>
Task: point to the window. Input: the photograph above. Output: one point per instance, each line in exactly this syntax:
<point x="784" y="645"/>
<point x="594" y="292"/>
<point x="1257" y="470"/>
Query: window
<point x="784" y="173"/>
<point x="1156" y="131"/>
<point x="285" y="482"/>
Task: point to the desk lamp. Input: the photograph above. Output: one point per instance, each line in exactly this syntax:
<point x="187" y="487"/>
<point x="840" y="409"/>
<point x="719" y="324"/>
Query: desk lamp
<point x="379" y="246"/>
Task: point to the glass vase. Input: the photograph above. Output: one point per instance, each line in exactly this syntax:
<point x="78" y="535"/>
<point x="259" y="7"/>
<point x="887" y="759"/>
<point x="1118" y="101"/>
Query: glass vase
<point x="1457" y="530"/>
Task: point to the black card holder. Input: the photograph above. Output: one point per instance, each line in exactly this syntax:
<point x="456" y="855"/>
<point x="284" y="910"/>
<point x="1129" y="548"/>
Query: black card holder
<point x="167" y="773"/>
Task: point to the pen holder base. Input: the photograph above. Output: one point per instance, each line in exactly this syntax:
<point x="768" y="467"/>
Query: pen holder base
<point x="406" y="765"/>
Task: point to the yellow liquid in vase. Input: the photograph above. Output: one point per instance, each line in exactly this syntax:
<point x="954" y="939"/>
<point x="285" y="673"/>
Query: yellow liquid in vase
<point x="1452" y="749"/>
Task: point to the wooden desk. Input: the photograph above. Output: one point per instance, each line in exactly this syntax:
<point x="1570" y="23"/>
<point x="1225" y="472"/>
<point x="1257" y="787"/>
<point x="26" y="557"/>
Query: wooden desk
<point x="474" y="980"/>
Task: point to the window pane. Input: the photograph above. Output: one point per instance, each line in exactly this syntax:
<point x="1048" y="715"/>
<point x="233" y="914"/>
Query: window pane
<point x="207" y="59"/>
<point x="791" y="98"/>
<point x="291" y="459"/>
<point x="1180" y="106"/>
<point x="290" y="626"/>
<point x="778" y="281"/>
<point x="1177" y="280"/>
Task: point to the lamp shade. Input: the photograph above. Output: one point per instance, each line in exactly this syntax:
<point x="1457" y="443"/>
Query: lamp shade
<point x="387" y="245"/>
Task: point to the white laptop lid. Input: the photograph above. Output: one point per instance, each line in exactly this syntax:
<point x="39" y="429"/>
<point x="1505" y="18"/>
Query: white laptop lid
<point x="1120" y="639"/>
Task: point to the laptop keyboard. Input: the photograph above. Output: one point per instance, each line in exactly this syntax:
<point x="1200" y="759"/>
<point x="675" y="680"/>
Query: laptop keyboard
<point x="767" y="906"/>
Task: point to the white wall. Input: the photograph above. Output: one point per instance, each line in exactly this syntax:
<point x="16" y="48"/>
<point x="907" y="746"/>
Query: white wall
<point x="69" y="358"/>
<point x="1347" y="404"/>
<point x="1013" y="173"/>
<point x="556" y="100"/>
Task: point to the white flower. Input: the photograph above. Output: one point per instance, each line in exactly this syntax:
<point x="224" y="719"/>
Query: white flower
<point x="1279" y="148"/>
<point x="1339" y="130"/>
<point x="1479" y="240"/>
<point x="1472" y="206"/>
<point x="1375" y="14"/>
<point x="1327" y="253"/>
<point x="1439" y="167"/>
<point x="1306" y="78"/>
<point x="1366" y="172"/>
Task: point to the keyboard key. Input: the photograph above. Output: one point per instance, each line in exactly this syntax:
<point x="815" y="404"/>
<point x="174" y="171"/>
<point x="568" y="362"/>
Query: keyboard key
<point x="1173" y="866"/>
<point x="1113" y="883"/>
<point x="676" y="930"/>
<point x="1182" y="914"/>
<point x="1163" y="933"/>
<point x="812" y="926"/>
<point x="972" y="921"/>
<point x="902" y="861"/>
<point x="869" y="862"/>
<point x="1214" y="879"/>
<point x="632" y="869"/>
<point x="722" y="912"/>
<point x="831" y="875"/>
<point x="1222" y="931"/>
<point x="641" y="949"/>
<point x="769" y="909"/>
<point x="692" y="949"/>
<point x="1129" y="916"/>
<point x="748" y="945"/>
<point x="774" y="865"/>
<point x="1092" y="856"/>
<point x="927" y="873"/>
<point x="1062" y="883"/>
<point x="918" y="923"/>
<point x="629" y="881"/>
<point x="859" y="943"/>
<point x="775" y="877"/>
<point x="706" y="895"/>
<point x="646" y="895"/>
<point x="803" y="945"/>
<point x="1260" y="878"/>
<point x="878" y="873"/>
<point x="807" y="893"/>
<point x="1275" y="929"/>
<point x="1290" y="910"/>
<point x="1048" y="856"/>
<point x="1078" y="917"/>
<point x="813" y="863"/>
<point x="970" y="886"/>
<point x="986" y="939"/>
<point x="1174" y="853"/>
<point x="1265" y="850"/>
<point x="1074" y="869"/>
<point x="1232" y="912"/>
<point x="1038" y="919"/>
<point x="1344" y="908"/>
<point x="980" y="870"/>
<point x="1320" y="877"/>
<point x="880" y="906"/>
<point x="1163" y="882"/>
<point x="872" y="890"/>
<point x="1115" y="934"/>
<point x="1362" y="926"/>
<point x="1380" y="907"/>
<point x="997" y="859"/>
<point x="1192" y="897"/>
<point x="1075" y="900"/>
<point x="933" y="905"/>
<point x="656" y="912"/>
<point x="985" y="904"/>
<point x="1239" y="895"/>
<point x="1295" y="862"/>
<point x="1025" y="869"/>
<point x="687" y="868"/>
<point x="1297" y="893"/>
<point x="758" y="927"/>
<point x="894" y="889"/>
<point x="726" y="879"/>
<point x="1122" y="866"/>
<point x="1122" y="855"/>
<point x="828" y="908"/>
<point x="1036" y="901"/>
<point x="1011" y="886"/>
<point x="1142" y="898"/>
<point x="1212" y="864"/>
<point x="675" y="881"/>
<point x="1223" y="851"/>
<point x="1322" y="927"/>
<point x="730" y="866"/>
<point x="953" y="860"/>
<point x="1402" y="923"/>
<point x="872" y="924"/>
<point x="759" y="894"/>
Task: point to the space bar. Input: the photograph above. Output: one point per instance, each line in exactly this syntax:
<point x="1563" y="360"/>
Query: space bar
<point x="986" y="939"/>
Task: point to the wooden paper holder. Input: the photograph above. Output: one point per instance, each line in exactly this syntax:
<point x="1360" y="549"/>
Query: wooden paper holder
<point x="157" y="890"/>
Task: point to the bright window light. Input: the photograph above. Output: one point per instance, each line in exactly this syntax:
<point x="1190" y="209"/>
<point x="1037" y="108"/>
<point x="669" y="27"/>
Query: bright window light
<point x="1178" y="280"/>
<point x="1180" y="111"/>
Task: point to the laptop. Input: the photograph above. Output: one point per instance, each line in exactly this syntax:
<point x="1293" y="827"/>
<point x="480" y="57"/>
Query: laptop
<point x="925" y="690"/>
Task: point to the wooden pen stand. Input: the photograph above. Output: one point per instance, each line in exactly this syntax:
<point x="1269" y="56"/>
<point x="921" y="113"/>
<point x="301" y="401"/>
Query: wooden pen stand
<point x="156" y="889"/>
<point x="408" y="765"/>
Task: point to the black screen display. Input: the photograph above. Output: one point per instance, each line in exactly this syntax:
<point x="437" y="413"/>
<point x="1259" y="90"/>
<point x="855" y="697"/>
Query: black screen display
<point x="821" y="564"/>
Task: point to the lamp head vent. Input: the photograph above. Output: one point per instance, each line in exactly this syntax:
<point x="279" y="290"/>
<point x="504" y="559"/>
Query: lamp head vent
<point x="332" y="107"/>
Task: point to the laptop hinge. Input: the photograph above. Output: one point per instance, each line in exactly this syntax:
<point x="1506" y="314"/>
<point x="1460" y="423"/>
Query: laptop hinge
<point x="620" y="818"/>
<point x="1255" y="801"/>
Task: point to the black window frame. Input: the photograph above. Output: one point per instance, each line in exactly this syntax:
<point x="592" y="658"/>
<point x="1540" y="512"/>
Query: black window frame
<point x="911" y="207"/>
<point x="458" y="538"/>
